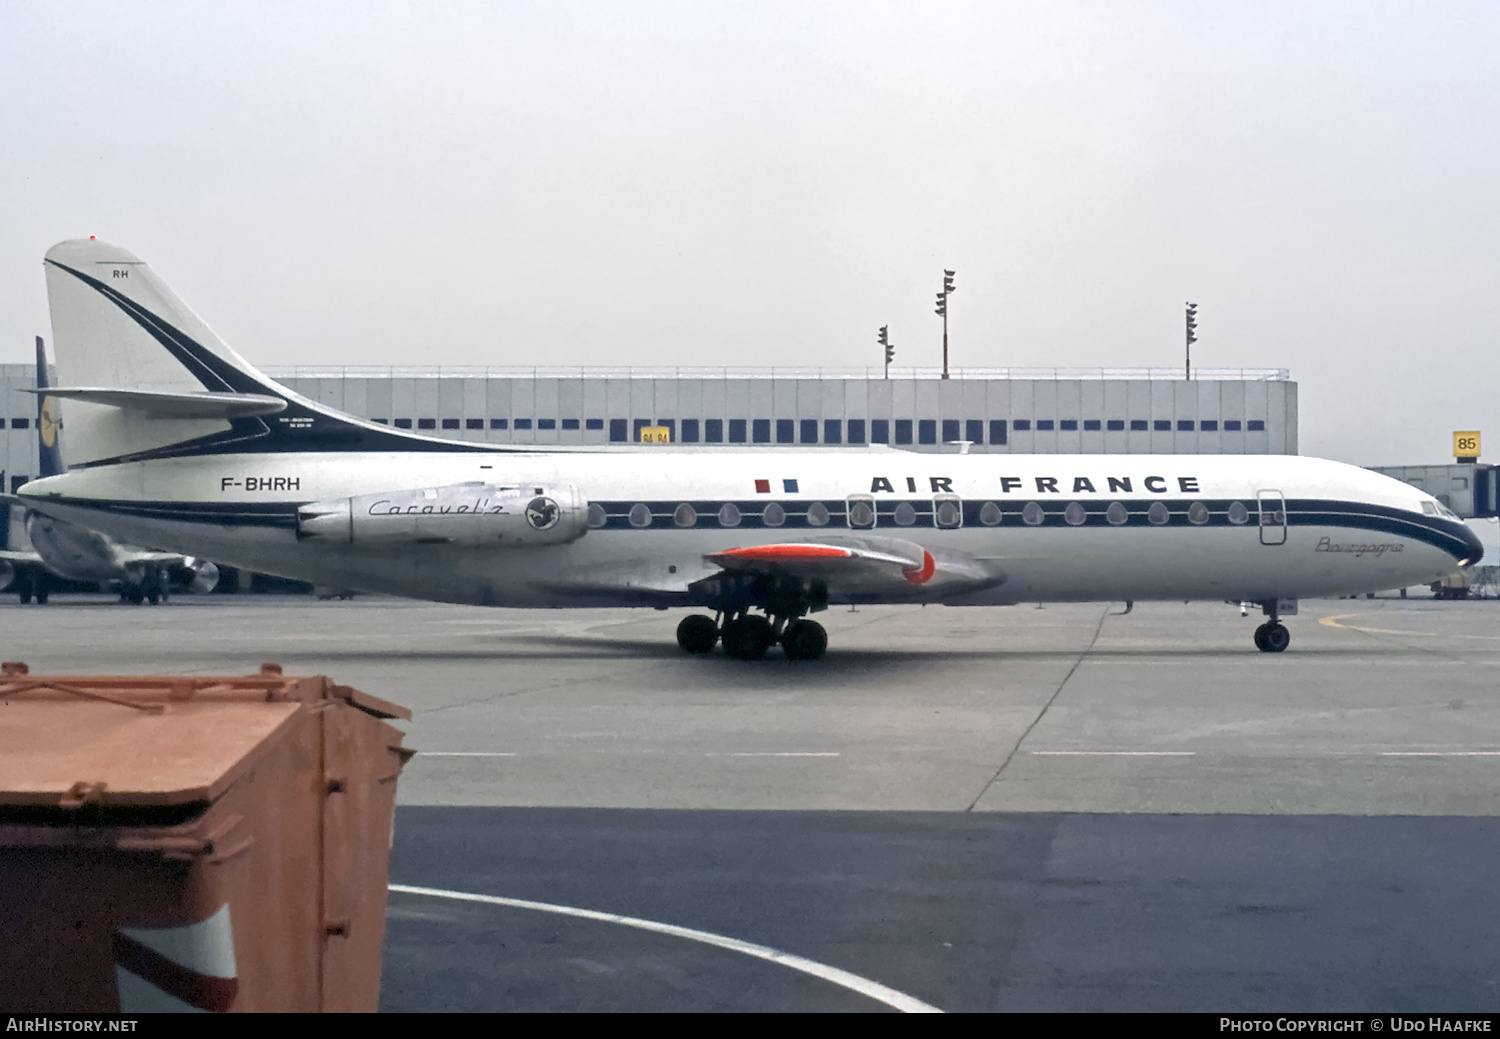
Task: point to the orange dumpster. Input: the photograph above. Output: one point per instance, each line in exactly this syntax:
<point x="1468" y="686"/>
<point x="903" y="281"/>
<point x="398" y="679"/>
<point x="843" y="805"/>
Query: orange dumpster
<point x="193" y="843"/>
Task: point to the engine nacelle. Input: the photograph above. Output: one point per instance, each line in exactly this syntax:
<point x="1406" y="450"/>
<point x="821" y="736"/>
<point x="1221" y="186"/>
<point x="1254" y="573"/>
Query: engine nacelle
<point x="479" y="514"/>
<point x="204" y="576"/>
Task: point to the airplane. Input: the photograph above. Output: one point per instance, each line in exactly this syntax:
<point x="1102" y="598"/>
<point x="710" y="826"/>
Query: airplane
<point x="75" y="553"/>
<point x="173" y="438"/>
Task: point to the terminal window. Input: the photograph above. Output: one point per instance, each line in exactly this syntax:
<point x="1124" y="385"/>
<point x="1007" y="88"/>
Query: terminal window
<point x="523" y="423"/>
<point x="570" y="423"/>
<point x="2" y="423"/>
<point x="785" y="431"/>
<point x="1138" y="425"/>
<point x="499" y="423"/>
<point x="1068" y="424"/>
<point x="427" y="423"/>
<point x="619" y="431"/>
<point x="856" y="431"/>
<point x="903" y="431"/>
<point x="833" y="431"/>
<point x="670" y="425"/>
<point x="450" y="423"/>
<point x="1044" y="424"/>
<point x="591" y="423"/>
<point x="713" y="431"/>
<point x="1255" y="425"/>
<point x="1209" y="425"/>
<point x="1022" y="425"/>
<point x="382" y="421"/>
<point x="880" y="431"/>
<point x="950" y="429"/>
<point x="736" y="431"/>
<point x="1184" y="425"/>
<point x="999" y="431"/>
<point x="1163" y="425"/>
<point x="1232" y="425"/>
<point x="974" y="430"/>
<point x="474" y="423"/>
<point x="20" y="423"/>
<point x="689" y="431"/>
<point x="1116" y="424"/>
<point x="1091" y="425"/>
<point x="17" y="482"/>
<point x="927" y="431"/>
<point x="809" y="431"/>
<point x="640" y="424"/>
<point x="546" y="423"/>
<point x="760" y="430"/>
<point x="403" y="423"/>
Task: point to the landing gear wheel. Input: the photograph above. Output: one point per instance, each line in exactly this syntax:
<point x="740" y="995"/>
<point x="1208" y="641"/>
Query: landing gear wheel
<point x="697" y="634"/>
<point x="135" y="596"/>
<point x="748" y="637"/>
<point x="1272" y="637"/>
<point x="804" y="640"/>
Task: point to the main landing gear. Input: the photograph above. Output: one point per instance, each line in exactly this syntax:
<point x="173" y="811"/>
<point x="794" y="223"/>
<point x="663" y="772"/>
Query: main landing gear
<point x="1272" y="636"/>
<point x="747" y="636"/>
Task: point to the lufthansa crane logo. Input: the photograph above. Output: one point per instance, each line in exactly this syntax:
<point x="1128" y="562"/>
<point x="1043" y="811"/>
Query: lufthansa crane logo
<point x="47" y="420"/>
<point x="542" y="513"/>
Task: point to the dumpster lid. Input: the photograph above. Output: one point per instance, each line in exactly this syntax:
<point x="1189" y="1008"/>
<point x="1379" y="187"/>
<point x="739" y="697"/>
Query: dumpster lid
<point x="147" y="741"/>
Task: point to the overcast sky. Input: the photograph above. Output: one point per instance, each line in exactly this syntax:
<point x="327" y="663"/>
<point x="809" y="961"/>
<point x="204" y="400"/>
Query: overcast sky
<point x="764" y="183"/>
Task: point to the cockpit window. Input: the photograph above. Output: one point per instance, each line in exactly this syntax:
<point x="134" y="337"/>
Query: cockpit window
<point x="1429" y="508"/>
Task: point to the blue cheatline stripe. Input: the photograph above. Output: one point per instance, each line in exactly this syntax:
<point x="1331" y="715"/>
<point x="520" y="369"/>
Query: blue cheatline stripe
<point x="1448" y="535"/>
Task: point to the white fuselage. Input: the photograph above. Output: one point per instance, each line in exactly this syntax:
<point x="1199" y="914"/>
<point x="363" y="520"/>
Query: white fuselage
<point x="1303" y="527"/>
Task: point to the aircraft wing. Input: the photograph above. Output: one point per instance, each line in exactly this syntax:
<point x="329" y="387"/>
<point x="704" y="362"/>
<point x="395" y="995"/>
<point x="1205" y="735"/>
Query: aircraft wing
<point x="856" y="567"/>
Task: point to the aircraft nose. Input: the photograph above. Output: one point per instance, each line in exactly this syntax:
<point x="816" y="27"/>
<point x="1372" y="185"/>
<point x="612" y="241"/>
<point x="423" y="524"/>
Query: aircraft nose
<point x="1474" y="548"/>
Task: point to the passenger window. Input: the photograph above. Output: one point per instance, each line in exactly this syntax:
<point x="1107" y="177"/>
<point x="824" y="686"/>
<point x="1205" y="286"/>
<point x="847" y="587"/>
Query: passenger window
<point x="1158" y="514"/>
<point x="1238" y="513"/>
<point x="729" y="515"/>
<point x="640" y="516"/>
<point x="905" y="515"/>
<point x="1032" y="514"/>
<point x="861" y="512"/>
<point x="1075" y="514"/>
<point x="773" y="515"/>
<point x="990" y="515"/>
<point x="597" y="516"/>
<point x="817" y="514"/>
<point x="947" y="511"/>
<point x="685" y="516"/>
<point x="1197" y="513"/>
<point x="1117" y="514"/>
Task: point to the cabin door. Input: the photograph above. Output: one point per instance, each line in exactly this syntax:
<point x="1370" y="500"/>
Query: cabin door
<point x="1272" y="517"/>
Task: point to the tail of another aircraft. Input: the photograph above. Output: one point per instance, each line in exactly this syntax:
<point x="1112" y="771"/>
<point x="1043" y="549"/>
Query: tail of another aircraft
<point x="143" y="377"/>
<point x="48" y="421"/>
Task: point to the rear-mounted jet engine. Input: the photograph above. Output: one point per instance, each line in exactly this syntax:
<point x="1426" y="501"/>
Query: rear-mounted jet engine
<point x="480" y="514"/>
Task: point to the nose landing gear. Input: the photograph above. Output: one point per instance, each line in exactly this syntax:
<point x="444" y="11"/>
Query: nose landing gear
<point x="1272" y="636"/>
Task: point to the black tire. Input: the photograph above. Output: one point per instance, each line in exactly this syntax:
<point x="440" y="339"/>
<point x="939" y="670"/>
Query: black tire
<point x="135" y="596"/>
<point x="697" y="634"/>
<point x="41" y="597"/>
<point x="804" y="640"/>
<point x="1276" y="638"/>
<point x="748" y="637"/>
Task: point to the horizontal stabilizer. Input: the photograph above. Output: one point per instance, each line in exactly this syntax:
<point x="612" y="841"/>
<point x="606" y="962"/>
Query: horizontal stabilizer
<point x="166" y="404"/>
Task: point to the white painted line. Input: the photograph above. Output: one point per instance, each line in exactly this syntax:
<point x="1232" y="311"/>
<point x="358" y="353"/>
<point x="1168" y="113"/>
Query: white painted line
<point x="1116" y="753"/>
<point x="1440" y="754"/>
<point x="775" y="754"/>
<point x="864" y="986"/>
<point x="464" y="754"/>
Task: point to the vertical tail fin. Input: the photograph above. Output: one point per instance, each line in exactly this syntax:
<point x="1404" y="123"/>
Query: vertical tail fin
<point x="48" y="420"/>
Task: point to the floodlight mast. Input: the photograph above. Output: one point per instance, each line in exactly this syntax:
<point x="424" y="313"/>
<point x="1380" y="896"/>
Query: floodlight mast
<point x="1192" y="337"/>
<point x="884" y="339"/>
<point x="942" y="311"/>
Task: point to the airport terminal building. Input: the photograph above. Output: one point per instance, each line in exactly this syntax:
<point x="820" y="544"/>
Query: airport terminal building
<point x="1022" y="411"/>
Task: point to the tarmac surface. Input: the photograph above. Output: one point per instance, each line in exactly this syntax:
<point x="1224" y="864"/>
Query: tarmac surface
<point x="963" y="809"/>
